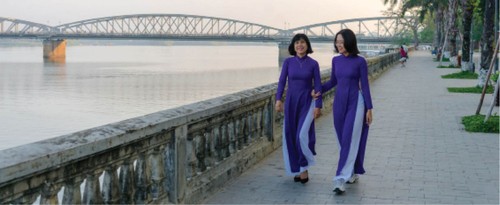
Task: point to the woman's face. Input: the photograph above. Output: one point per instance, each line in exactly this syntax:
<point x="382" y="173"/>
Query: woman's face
<point x="340" y="44"/>
<point x="300" y="47"/>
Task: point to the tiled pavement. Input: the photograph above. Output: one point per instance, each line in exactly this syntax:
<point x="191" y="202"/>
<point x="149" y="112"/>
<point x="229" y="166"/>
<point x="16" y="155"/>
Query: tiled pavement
<point x="417" y="152"/>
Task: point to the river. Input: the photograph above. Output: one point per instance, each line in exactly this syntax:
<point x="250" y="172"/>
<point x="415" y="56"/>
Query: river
<point x="101" y="84"/>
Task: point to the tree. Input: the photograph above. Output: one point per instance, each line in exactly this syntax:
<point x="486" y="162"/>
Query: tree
<point x="426" y="35"/>
<point x="408" y="18"/>
<point x="435" y="8"/>
<point x="467" y="9"/>
<point x="452" y="30"/>
<point x="487" y="40"/>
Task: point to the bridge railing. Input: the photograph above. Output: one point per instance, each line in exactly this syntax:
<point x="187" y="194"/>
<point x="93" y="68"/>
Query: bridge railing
<point x="180" y="155"/>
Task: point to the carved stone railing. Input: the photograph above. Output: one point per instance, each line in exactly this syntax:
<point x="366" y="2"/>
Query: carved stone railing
<point x="180" y="155"/>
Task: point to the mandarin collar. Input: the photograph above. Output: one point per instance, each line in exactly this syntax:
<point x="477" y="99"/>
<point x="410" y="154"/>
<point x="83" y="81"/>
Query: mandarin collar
<point x="303" y="58"/>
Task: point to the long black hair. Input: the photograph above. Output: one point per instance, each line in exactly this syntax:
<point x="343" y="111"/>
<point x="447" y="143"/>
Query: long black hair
<point x="350" y="42"/>
<point x="291" y="47"/>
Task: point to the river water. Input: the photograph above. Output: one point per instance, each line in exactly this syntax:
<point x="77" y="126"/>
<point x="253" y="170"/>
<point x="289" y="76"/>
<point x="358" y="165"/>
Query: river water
<point x="97" y="85"/>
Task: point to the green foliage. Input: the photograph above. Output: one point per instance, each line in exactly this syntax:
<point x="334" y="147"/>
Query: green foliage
<point x="477" y="21"/>
<point x="494" y="77"/>
<point x="427" y="35"/>
<point x="476" y="89"/>
<point x="475" y="123"/>
<point x="461" y="75"/>
<point x="403" y="39"/>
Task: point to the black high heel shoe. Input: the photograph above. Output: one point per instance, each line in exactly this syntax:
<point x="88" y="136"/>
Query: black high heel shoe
<point x="296" y="179"/>
<point x="303" y="181"/>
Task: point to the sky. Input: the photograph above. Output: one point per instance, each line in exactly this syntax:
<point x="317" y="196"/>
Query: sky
<point x="275" y="13"/>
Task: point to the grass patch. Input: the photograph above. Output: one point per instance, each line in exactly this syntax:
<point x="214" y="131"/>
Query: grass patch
<point x="470" y="90"/>
<point x="475" y="123"/>
<point x="461" y="75"/>
<point x="447" y="66"/>
<point x="444" y="60"/>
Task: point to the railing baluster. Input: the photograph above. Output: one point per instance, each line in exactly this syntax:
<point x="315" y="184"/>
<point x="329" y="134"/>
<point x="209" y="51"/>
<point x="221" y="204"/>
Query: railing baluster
<point x="126" y="183"/>
<point x="224" y="140"/>
<point x="244" y="130"/>
<point x="250" y="128"/>
<point x="200" y="152"/>
<point x="169" y="170"/>
<point x="110" y="191"/>
<point x="49" y="194"/>
<point x="192" y="161"/>
<point x="72" y="193"/>
<point x="157" y="176"/>
<point x="238" y="131"/>
<point x="233" y="143"/>
<point x="218" y="142"/>
<point x="141" y="179"/>
<point x="259" y="122"/>
<point x="209" y="148"/>
<point x="91" y="192"/>
<point x="268" y="120"/>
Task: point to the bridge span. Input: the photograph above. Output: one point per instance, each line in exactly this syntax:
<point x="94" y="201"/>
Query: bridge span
<point x="193" y="28"/>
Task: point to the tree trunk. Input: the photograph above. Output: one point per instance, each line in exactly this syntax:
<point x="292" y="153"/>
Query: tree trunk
<point x="452" y="30"/>
<point x="443" y="25"/>
<point x="468" y="8"/>
<point x="487" y="40"/>
<point x="435" y="40"/>
<point x="414" y="27"/>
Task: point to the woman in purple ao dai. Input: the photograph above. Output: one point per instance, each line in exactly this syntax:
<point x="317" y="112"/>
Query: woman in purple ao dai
<point x="300" y="71"/>
<point x="352" y="108"/>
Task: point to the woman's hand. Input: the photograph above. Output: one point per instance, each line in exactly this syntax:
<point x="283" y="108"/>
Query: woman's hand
<point x="317" y="112"/>
<point x="369" y="117"/>
<point x="315" y="95"/>
<point x="278" y="106"/>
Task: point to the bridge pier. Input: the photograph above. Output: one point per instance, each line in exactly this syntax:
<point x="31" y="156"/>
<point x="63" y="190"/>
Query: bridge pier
<point x="283" y="52"/>
<point x="54" y="50"/>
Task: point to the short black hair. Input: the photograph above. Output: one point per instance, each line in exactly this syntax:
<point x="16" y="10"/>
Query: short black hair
<point x="291" y="47"/>
<point x="350" y="42"/>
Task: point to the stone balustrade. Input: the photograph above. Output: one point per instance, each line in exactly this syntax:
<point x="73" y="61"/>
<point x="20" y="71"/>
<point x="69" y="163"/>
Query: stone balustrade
<point x="180" y="155"/>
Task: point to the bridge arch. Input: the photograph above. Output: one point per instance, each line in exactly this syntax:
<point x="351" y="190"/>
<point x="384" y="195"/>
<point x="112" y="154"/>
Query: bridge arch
<point x="376" y="29"/>
<point x="20" y="28"/>
<point x="168" y="26"/>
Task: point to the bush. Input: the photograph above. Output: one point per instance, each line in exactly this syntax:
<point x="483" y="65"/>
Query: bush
<point x="475" y="123"/>
<point x="494" y="77"/>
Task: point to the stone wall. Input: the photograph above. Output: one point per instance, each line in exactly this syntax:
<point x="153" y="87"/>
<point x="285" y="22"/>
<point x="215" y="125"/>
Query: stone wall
<point x="180" y="155"/>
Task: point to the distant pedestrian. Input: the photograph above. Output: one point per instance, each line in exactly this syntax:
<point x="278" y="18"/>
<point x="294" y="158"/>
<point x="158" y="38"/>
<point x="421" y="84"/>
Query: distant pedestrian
<point x="404" y="55"/>
<point x="299" y="138"/>
<point x="352" y="108"/>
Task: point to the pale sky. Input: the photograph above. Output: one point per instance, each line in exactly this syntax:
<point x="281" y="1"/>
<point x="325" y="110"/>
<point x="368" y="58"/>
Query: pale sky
<point x="267" y="12"/>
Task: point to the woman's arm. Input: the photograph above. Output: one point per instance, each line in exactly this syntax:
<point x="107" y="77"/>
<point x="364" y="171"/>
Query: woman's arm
<point x="333" y="79"/>
<point x="281" y="87"/>
<point x="317" y="85"/>
<point x="365" y="87"/>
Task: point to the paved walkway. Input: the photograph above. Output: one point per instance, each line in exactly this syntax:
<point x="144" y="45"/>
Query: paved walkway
<point x="417" y="152"/>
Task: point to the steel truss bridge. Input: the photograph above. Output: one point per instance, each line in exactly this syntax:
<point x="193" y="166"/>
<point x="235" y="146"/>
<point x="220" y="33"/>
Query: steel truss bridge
<point x="205" y="28"/>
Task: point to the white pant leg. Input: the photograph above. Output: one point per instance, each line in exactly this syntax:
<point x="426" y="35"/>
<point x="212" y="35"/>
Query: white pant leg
<point x="348" y="168"/>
